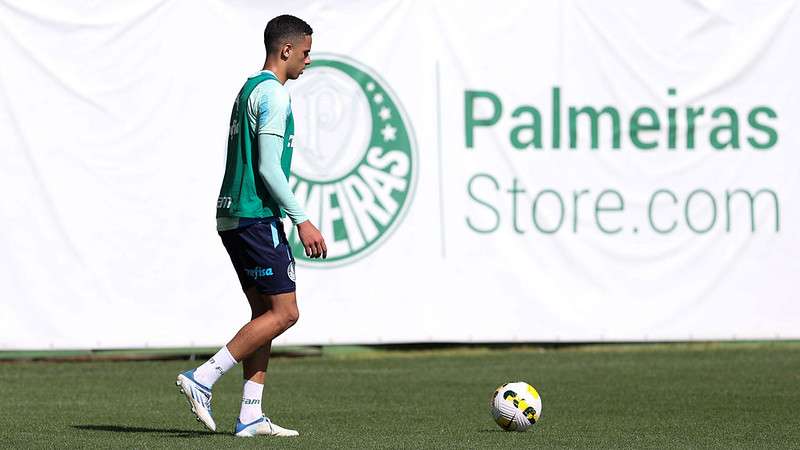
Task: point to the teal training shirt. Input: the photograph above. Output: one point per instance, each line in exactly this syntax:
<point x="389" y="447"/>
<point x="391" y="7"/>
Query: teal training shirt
<point x="262" y="106"/>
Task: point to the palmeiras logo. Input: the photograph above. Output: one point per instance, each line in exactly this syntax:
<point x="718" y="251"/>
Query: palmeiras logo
<point x="354" y="163"/>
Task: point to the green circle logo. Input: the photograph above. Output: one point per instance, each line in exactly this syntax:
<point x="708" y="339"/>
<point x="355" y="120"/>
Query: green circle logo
<point x="354" y="162"/>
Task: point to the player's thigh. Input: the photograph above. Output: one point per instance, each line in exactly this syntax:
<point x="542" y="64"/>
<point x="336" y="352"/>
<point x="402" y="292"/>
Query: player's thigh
<point x="284" y="304"/>
<point x="258" y="304"/>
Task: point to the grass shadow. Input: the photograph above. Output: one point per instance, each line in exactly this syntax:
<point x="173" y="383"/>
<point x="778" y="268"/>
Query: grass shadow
<point x="175" y="432"/>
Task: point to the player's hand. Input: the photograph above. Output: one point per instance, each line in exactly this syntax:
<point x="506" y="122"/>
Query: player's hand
<point x="312" y="240"/>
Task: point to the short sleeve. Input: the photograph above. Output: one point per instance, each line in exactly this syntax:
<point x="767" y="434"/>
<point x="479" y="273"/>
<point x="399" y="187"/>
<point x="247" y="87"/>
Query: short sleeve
<point x="268" y="108"/>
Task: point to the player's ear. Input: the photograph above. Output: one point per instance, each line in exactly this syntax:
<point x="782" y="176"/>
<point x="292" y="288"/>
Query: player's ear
<point x="285" y="51"/>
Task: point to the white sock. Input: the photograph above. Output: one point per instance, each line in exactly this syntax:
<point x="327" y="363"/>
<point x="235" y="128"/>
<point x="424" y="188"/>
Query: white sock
<point x="251" y="402"/>
<point x="211" y="370"/>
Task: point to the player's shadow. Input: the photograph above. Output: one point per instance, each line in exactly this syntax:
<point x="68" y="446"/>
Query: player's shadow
<point x="175" y="432"/>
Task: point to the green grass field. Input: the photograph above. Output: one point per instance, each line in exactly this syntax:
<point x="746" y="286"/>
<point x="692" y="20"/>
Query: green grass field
<point x="656" y="396"/>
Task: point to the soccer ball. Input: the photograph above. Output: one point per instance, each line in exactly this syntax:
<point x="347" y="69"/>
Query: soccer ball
<point x="515" y="406"/>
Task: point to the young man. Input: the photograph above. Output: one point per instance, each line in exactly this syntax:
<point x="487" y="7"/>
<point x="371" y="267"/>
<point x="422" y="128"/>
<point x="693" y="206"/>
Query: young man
<point x="255" y="194"/>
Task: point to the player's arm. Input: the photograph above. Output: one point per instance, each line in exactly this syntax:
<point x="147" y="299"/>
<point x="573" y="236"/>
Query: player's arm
<point x="270" y="114"/>
<point x="270" y="149"/>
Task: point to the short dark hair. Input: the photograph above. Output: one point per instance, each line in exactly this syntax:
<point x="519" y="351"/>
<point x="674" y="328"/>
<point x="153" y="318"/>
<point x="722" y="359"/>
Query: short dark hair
<point x="284" y="28"/>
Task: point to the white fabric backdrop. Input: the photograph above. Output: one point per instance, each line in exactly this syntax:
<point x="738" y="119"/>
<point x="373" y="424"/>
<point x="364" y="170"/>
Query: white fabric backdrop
<point x="113" y="121"/>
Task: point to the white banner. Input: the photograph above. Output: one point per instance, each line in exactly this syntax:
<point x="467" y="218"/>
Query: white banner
<point x="544" y="171"/>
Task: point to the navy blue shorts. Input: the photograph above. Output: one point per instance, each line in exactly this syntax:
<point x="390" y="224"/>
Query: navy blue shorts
<point x="261" y="255"/>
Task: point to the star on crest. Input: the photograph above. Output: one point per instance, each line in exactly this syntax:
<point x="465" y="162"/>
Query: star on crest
<point x="385" y="113"/>
<point x="370" y="86"/>
<point x="378" y="98"/>
<point x="389" y="133"/>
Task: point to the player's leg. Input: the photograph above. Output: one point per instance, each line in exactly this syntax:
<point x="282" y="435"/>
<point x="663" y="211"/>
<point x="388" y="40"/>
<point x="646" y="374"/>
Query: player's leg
<point x="264" y="264"/>
<point x="280" y="315"/>
<point x="251" y="345"/>
<point x="276" y="314"/>
<point x="196" y="384"/>
<point x="251" y="421"/>
<point x="273" y="311"/>
<point x="254" y="367"/>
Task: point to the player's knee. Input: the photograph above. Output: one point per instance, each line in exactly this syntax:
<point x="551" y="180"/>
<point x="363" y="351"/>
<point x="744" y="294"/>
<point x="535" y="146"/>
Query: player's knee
<point x="294" y="316"/>
<point x="290" y="317"/>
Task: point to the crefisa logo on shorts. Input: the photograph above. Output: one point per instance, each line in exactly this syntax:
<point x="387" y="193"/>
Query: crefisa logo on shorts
<point x="355" y="159"/>
<point x="258" y="272"/>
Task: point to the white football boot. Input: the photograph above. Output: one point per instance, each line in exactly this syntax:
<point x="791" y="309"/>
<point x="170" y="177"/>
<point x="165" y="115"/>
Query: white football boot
<point x="199" y="398"/>
<point x="262" y="427"/>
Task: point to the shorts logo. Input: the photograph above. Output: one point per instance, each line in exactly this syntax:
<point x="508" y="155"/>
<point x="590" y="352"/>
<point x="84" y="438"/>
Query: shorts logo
<point x="355" y="158"/>
<point x="258" y="272"/>
<point x="290" y="271"/>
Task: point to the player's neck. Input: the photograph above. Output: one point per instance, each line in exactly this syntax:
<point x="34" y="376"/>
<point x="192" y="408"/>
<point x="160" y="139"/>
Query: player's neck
<point x="279" y="72"/>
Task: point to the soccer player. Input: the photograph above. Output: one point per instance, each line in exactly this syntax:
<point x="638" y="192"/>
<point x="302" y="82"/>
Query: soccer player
<point x="254" y="196"/>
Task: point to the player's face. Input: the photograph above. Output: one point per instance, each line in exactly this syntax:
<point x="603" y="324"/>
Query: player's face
<point x="299" y="57"/>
